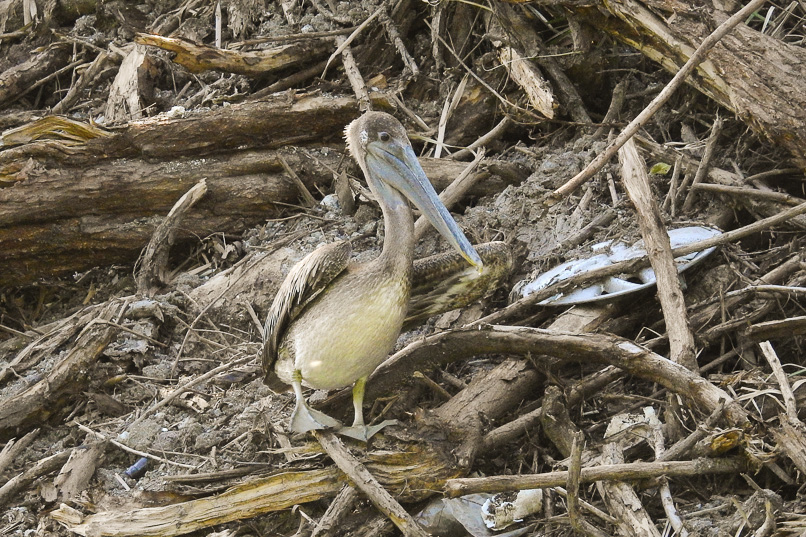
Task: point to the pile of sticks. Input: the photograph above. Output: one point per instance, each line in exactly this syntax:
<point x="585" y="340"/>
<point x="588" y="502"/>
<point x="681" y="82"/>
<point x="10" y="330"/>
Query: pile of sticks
<point x="526" y="396"/>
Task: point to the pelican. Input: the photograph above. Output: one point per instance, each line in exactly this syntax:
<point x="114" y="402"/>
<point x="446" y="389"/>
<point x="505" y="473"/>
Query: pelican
<point x="333" y="322"/>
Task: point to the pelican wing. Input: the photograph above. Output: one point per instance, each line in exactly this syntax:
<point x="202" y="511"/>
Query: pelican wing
<point x="445" y="282"/>
<point x="306" y="280"/>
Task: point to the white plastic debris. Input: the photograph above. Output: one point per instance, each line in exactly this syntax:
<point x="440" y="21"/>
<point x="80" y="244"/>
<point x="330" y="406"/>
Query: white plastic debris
<point x="613" y="287"/>
<point x="460" y="517"/>
<point x="176" y="111"/>
<point x="331" y="202"/>
<point x="502" y="510"/>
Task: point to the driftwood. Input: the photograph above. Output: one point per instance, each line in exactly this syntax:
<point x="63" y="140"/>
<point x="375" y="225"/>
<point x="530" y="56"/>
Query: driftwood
<point x="578" y="522"/>
<point x="132" y="177"/>
<point x="129" y="198"/>
<point x="425" y="469"/>
<point x="623" y="472"/>
<point x="198" y="58"/>
<point x="659" y="251"/>
<point x="620" y="496"/>
<point x="270" y="123"/>
<point x="45" y="399"/>
<point x="764" y="93"/>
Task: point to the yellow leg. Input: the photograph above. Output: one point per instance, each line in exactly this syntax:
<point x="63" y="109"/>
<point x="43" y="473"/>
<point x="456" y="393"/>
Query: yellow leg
<point x="359" y="430"/>
<point x="358" y="401"/>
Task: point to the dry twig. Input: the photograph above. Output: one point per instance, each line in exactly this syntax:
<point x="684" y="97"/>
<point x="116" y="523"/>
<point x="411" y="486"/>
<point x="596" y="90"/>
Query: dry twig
<point x="154" y="263"/>
<point x="705" y="163"/>
<point x="790" y="404"/>
<point x="364" y="481"/>
<point x="659" y="251"/>
<point x="577" y="521"/>
<point x="622" y="472"/>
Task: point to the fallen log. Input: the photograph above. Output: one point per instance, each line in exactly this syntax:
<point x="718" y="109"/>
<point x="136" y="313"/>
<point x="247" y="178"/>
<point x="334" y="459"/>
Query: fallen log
<point x="91" y="198"/>
<point x="276" y="121"/>
<point x="197" y="58"/>
<point x="410" y="475"/>
<point x="63" y="219"/>
<point x="80" y="196"/>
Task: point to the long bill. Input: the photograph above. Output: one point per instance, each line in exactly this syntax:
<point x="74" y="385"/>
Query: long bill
<point x="397" y="165"/>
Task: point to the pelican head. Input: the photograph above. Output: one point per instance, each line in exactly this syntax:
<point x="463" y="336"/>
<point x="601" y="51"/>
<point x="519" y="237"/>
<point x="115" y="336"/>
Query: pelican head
<point x="378" y="142"/>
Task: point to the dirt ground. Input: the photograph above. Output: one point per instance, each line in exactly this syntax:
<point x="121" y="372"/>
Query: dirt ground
<point x="226" y="429"/>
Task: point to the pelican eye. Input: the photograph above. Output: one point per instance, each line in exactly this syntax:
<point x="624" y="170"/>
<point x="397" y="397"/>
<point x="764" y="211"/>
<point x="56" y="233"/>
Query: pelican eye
<point x="384" y="136"/>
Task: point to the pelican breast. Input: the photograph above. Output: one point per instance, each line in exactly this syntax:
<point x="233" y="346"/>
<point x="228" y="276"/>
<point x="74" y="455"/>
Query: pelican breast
<point x="347" y="331"/>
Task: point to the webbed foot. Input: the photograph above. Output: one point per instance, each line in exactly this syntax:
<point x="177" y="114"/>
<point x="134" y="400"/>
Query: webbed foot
<point x="364" y="432"/>
<point x="305" y="419"/>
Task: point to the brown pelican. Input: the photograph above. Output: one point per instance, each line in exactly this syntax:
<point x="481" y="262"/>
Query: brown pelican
<point x="333" y="322"/>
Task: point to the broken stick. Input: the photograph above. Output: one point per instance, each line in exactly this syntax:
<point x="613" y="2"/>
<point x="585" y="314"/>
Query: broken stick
<point x="365" y="481"/>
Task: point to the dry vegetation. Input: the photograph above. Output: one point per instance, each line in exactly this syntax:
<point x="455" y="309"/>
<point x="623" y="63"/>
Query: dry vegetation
<point x="674" y="410"/>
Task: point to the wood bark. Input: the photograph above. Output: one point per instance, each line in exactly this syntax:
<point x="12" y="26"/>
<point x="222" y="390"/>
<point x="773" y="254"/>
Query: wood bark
<point x="659" y="250"/>
<point x="17" y="80"/>
<point x="51" y="396"/>
<point x="756" y="76"/>
<point x="73" y="206"/>
<point x="198" y="58"/>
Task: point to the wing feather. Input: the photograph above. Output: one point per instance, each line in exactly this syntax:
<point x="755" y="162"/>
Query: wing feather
<point x="305" y="281"/>
<point x="445" y="282"/>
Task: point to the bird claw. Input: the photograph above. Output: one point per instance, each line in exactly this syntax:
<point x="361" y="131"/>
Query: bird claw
<point x="305" y="419"/>
<point x="364" y="432"/>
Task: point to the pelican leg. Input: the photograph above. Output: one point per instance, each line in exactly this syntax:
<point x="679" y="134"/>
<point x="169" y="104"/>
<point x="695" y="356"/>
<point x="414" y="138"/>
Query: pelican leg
<point x="304" y="418"/>
<point x="359" y="430"/>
